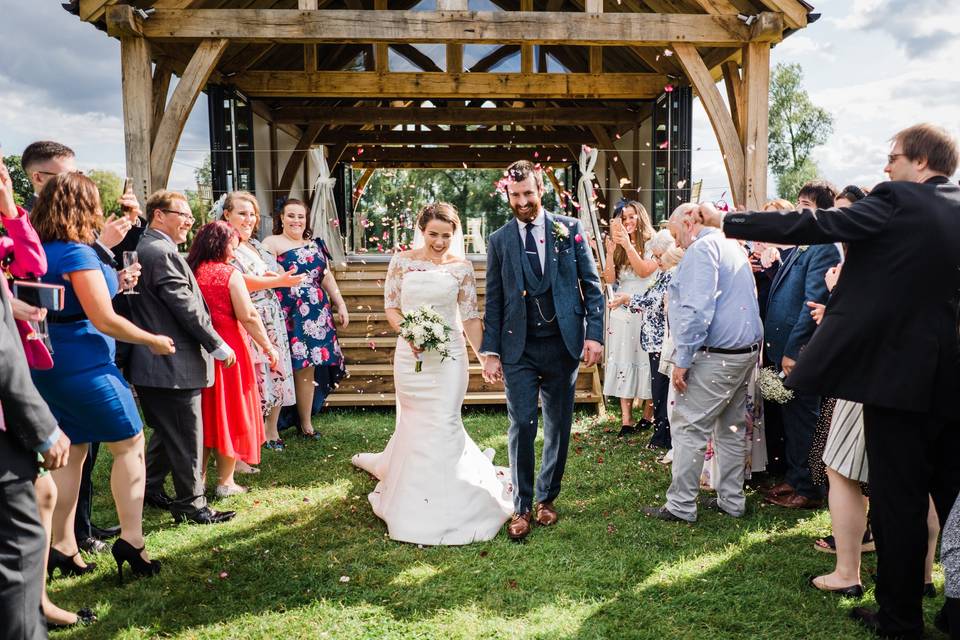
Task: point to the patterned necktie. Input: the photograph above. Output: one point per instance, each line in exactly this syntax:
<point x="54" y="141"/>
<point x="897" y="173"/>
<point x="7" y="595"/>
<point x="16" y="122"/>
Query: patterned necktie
<point x="530" y="247"/>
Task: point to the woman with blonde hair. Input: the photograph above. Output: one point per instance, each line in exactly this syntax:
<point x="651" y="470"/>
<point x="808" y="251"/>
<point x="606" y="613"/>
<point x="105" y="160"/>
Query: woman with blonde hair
<point x="631" y="266"/>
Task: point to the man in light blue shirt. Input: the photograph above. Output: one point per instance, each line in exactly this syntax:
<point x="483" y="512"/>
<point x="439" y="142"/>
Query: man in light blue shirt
<point x="716" y="328"/>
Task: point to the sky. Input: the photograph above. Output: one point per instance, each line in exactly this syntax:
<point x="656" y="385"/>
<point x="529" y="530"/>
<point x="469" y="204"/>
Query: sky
<point x="876" y="65"/>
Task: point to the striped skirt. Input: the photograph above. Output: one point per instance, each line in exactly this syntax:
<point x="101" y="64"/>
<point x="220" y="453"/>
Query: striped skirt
<point x="846" y="450"/>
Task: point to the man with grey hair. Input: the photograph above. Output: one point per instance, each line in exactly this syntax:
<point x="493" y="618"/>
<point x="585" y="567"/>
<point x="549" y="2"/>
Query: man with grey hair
<point x="716" y="329"/>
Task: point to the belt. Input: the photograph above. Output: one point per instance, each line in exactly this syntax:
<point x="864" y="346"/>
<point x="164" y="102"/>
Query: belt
<point x="62" y="318"/>
<point x="732" y="352"/>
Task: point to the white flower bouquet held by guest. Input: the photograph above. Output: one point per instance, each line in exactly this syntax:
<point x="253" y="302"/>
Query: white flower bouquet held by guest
<point x="772" y="387"/>
<point x="426" y="330"/>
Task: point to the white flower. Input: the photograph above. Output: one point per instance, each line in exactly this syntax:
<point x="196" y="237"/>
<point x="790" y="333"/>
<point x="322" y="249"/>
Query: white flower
<point x="299" y="349"/>
<point x="316" y="355"/>
<point x="314" y="296"/>
<point x="304" y="309"/>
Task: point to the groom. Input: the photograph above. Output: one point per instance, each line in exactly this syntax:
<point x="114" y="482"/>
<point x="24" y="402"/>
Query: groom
<point x="543" y="291"/>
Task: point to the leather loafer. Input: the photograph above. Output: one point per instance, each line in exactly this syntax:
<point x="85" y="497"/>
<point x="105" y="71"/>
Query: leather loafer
<point x="519" y="527"/>
<point x="853" y="591"/>
<point x="104" y="534"/>
<point x="781" y="489"/>
<point x="206" y="515"/>
<point x="662" y="513"/>
<point x="795" y="501"/>
<point x="546" y="514"/>
<point x="93" y="545"/>
<point x="157" y="500"/>
<point x="869" y="620"/>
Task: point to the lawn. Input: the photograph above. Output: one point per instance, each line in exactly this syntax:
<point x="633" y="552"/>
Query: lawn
<point x="306" y="558"/>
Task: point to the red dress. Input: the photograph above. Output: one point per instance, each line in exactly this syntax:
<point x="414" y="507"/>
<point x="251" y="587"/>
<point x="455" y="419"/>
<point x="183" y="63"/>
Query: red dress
<point x="232" y="421"/>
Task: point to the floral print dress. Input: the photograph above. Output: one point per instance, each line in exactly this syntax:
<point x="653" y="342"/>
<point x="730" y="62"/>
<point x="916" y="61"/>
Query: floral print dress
<point x="307" y="310"/>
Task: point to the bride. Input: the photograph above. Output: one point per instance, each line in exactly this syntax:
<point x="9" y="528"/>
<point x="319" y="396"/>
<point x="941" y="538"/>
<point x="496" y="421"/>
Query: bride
<point x="436" y="486"/>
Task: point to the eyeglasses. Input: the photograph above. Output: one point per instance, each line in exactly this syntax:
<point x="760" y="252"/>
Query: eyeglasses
<point x="891" y="157"/>
<point x="185" y="216"/>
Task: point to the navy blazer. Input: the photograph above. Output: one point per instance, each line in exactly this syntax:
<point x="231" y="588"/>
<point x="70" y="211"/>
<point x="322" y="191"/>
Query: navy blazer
<point x="576" y="290"/>
<point x="788" y="326"/>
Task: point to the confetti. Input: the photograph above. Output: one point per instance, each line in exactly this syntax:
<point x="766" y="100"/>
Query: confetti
<point x="344" y="579"/>
<point x="667" y="52"/>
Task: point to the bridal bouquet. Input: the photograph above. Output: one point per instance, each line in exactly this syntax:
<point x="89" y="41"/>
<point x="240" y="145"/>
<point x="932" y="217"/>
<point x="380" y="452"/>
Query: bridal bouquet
<point x="771" y="386"/>
<point x="426" y="329"/>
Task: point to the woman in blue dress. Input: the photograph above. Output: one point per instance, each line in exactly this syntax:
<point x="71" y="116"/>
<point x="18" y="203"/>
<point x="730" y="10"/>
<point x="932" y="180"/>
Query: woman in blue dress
<point x="84" y="389"/>
<point x="314" y="348"/>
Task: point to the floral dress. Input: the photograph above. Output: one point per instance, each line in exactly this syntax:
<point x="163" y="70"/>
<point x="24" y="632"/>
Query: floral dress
<point x="276" y="387"/>
<point x="307" y="310"/>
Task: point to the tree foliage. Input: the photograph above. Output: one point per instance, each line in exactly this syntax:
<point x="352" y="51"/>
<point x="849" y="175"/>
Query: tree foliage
<point x="110" y="186"/>
<point x="797" y="127"/>
<point x="22" y="188"/>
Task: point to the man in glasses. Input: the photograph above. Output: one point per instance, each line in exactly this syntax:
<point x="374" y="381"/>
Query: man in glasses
<point x="888" y="340"/>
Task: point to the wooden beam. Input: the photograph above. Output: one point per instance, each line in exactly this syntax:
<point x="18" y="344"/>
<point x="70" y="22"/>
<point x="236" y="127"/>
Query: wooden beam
<point x="483" y="157"/>
<point x="494" y="57"/>
<point x="310" y="58"/>
<point x="593" y="6"/>
<point x="756" y="99"/>
<point x="794" y="13"/>
<point x="734" y="86"/>
<point x="454" y="58"/>
<point x="340" y="84"/>
<point x="596" y="59"/>
<point x="467" y="27"/>
<point x="719" y="117"/>
<point x="718" y="7"/>
<point x="307" y="5"/>
<point x="457" y="138"/>
<point x="451" y="5"/>
<point x="137" y="88"/>
<point x="417" y="57"/>
<point x="93" y="10"/>
<point x="381" y="54"/>
<point x="605" y="143"/>
<point x="526" y="50"/>
<point x="296" y="158"/>
<point x="454" y="116"/>
<point x="161" y="87"/>
<point x="191" y="83"/>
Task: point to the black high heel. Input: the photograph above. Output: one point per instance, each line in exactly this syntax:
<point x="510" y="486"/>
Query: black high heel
<point x="57" y="560"/>
<point x="84" y="617"/>
<point x="123" y="551"/>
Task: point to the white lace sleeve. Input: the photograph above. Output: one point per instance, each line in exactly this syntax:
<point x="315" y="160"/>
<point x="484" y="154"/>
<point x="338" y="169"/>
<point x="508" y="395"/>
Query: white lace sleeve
<point x="391" y="288"/>
<point x="467" y="297"/>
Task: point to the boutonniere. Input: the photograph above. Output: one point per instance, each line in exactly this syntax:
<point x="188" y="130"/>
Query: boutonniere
<point x="802" y="248"/>
<point x="560" y="232"/>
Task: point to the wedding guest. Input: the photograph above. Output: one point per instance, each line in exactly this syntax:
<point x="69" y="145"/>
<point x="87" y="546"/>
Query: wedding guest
<point x="651" y="304"/>
<point x="84" y="388"/>
<point x="630" y="266"/>
<point x="307" y="309"/>
<point x="232" y="419"/>
<point x="169" y="388"/>
<point x="787" y="329"/>
<point x="715" y="324"/>
<point x="903" y="250"/>
<point x="262" y="275"/>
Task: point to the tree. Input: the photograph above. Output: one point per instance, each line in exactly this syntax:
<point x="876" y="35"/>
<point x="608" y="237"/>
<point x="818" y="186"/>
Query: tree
<point x="110" y="186"/>
<point x="797" y="127"/>
<point x="22" y="188"/>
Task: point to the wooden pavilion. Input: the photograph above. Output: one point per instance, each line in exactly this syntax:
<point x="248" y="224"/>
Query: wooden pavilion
<point x="439" y="83"/>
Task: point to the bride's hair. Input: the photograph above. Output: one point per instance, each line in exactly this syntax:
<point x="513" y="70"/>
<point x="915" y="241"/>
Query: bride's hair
<point x="442" y="211"/>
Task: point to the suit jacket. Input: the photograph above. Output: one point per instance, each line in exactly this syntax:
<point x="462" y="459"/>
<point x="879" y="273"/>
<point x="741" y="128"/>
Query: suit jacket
<point x="889" y="336"/>
<point x="170" y="304"/>
<point x="27" y="421"/>
<point x="576" y="290"/>
<point x="788" y="326"/>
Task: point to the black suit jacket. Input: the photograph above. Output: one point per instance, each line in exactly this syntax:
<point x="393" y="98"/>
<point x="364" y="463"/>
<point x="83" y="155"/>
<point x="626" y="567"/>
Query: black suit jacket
<point x="26" y="417"/>
<point x="889" y="335"/>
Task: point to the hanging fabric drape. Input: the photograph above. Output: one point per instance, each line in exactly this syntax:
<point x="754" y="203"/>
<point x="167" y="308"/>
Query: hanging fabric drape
<point x="585" y="196"/>
<point x="326" y="223"/>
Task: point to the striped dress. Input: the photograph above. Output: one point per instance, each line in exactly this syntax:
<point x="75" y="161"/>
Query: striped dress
<point x="846" y="451"/>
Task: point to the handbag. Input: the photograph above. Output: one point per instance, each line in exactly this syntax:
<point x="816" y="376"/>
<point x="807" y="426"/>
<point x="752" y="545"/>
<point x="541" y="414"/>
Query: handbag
<point x="666" y="353"/>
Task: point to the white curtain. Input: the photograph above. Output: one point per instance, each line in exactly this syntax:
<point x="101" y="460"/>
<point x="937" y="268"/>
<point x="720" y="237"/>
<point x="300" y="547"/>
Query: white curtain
<point x="326" y="224"/>
<point x="588" y="216"/>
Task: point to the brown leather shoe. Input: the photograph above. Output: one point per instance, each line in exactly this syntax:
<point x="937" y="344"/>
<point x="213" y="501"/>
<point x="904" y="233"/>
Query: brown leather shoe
<point x="782" y="489"/>
<point x="795" y="501"/>
<point x="546" y="514"/>
<point x="519" y="527"/>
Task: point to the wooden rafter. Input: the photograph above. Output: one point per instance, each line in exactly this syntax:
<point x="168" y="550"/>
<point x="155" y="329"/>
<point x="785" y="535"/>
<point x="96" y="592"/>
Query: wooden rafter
<point x="509" y="27"/>
<point x="416" y="57"/>
<point x="734" y="85"/>
<point x="482" y="157"/>
<point x="493" y="58"/>
<point x="610" y="86"/>
<point x="794" y="13"/>
<point x="457" y="138"/>
<point x="162" y="74"/>
<point x="454" y="116"/>
<point x="297" y="156"/>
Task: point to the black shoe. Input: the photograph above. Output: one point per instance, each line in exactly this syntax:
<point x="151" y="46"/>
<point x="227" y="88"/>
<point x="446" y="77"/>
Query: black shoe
<point x="104" y="534"/>
<point x="713" y="502"/>
<point x="65" y="563"/>
<point x="157" y="500"/>
<point x="644" y="424"/>
<point x="84" y="617"/>
<point x="853" y="591"/>
<point x="123" y="551"/>
<point x="869" y="620"/>
<point x="929" y="590"/>
<point x="626" y="430"/>
<point x="206" y="515"/>
<point x="662" y="513"/>
<point x="93" y="545"/>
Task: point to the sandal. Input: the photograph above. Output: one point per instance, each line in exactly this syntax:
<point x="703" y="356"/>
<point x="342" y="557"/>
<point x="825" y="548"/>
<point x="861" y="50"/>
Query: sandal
<point x="313" y="435"/>
<point x="828" y="544"/>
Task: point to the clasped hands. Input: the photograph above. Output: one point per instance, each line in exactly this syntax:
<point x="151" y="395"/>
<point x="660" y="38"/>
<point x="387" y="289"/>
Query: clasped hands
<point x="493" y="369"/>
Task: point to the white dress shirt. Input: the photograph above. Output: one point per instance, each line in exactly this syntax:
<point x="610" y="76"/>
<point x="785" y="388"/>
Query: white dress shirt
<point x="539" y="234"/>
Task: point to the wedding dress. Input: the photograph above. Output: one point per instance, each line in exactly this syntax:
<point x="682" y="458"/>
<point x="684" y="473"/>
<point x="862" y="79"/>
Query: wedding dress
<point x="435" y="485"/>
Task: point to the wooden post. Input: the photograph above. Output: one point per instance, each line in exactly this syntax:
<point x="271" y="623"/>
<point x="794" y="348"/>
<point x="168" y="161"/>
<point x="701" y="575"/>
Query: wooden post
<point x="161" y="86"/>
<point x="194" y="78"/>
<point x="756" y="98"/>
<point x="720" y="118"/>
<point x="526" y="50"/>
<point x="381" y="50"/>
<point x="137" y="88"/>
<point x="734" y="85"/>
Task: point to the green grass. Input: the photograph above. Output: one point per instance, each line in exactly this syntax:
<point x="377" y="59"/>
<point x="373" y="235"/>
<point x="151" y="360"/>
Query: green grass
<point x="278" y="570"/>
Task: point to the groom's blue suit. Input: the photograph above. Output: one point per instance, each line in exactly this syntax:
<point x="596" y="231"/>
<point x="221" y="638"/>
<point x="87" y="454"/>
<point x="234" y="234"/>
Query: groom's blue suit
<point x="537" y="324"/>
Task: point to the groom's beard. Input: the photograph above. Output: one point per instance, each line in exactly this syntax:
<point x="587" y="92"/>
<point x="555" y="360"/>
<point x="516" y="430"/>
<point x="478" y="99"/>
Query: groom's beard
<point x="525" y="216"/>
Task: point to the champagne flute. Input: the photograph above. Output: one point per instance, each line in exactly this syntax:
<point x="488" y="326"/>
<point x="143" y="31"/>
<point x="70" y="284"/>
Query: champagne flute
<point x="130" y="258"/>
